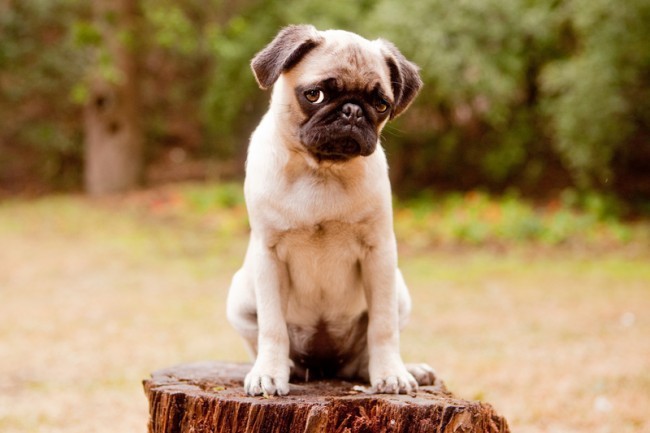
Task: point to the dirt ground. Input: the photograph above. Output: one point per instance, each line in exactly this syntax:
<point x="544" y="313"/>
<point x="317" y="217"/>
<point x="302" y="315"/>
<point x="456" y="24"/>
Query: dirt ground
<point x="94" y="298"/>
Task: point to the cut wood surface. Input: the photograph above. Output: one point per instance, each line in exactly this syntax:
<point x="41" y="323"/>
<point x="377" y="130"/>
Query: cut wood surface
<point x="209" y="397"/>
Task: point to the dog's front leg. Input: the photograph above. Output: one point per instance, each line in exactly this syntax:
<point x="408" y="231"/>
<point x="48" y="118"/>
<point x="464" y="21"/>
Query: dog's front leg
<point x="270" y="373"/>
<point x="387" y="371"/>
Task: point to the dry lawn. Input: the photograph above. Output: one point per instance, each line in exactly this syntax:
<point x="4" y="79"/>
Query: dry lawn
<point x="94" y="295"/>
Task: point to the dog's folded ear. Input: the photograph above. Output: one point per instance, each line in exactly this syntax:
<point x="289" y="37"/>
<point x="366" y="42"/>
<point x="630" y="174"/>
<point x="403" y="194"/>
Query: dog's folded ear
<point x="404" y="77"/>
<point x="284" y="52"/>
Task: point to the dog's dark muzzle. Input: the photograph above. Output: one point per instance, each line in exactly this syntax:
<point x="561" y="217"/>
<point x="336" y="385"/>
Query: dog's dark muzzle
<point x="343" y="148"/>
<point x="346" y="135"/>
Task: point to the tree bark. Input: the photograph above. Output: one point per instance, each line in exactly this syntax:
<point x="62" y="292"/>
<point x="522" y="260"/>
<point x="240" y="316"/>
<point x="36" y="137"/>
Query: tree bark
<point x="113" y="134"/>
<point x="209" y="397"/>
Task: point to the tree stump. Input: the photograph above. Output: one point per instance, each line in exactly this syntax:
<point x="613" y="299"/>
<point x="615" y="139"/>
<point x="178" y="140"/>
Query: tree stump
<point x="209" y="397"/>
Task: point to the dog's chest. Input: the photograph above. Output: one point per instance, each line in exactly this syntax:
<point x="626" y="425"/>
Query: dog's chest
<point x="325" y="241"/>
<point x="324" y="269"/>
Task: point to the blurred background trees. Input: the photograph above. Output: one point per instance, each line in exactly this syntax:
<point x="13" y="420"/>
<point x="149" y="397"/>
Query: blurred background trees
<point x="535" y="96"/>
<point x="113" y="138"/>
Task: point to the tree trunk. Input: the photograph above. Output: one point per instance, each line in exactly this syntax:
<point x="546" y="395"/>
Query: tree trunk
<point x="113" y="134"/>
<point x="209" y="397"/>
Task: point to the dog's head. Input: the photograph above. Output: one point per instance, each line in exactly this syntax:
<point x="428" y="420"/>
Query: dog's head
<point x="338" y="89"/>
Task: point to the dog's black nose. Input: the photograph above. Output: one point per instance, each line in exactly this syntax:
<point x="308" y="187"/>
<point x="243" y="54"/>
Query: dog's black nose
<point x="352" y="112"/>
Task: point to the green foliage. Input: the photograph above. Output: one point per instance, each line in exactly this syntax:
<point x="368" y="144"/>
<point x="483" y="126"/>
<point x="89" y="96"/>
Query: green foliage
<point x="477" y="218"/>
<point x="172" y="29"/>
<point x="517" y="92"/>
<point x="39" y="64"/>
<point x="510" y="82"/>
<point x="84" y="33"/>
<point x="592" y="98"/>
<point x="214" y="197"/>
<point x="478" y="60"/>
<point x="226" y="105"/>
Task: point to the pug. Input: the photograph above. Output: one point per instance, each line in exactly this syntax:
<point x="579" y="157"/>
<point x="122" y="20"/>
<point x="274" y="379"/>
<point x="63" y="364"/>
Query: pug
<point x="319" y="294"/>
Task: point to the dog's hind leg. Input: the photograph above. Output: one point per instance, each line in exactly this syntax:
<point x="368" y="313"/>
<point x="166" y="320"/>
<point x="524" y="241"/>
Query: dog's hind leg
<point x="241" y="309"/>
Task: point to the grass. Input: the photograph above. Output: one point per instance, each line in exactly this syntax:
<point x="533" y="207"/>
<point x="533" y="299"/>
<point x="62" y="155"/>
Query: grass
<point x="96" y="294"/>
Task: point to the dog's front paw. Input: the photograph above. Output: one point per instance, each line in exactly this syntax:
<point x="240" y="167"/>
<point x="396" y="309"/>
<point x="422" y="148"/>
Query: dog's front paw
<point x="267" y="381"/>
<point x="423" y="374"/>
<point x="395" y="380"/>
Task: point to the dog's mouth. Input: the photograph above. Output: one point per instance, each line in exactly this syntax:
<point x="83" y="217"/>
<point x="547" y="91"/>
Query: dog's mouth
<point x="341" y="147"/>
<point x="338" y="150"/>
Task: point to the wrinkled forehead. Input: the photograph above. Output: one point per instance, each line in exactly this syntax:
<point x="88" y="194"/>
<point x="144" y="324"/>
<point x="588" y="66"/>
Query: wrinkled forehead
<point x="354" y="64"/>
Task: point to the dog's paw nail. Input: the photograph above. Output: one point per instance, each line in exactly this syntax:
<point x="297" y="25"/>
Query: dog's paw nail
<point x="268" y="385"/>
<point x="282" y="389"/>
<point x="253" y="390"/>
<point x="392" y="385"/>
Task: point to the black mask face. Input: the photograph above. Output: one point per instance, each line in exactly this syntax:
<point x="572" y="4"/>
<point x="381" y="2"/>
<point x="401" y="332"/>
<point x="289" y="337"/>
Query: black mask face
<point x="343" y="121"/>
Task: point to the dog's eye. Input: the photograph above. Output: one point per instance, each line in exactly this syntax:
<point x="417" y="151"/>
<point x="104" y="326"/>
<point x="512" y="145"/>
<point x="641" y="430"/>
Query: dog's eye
<point x="381" y="105"/>
<point x="315" y="96"/>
